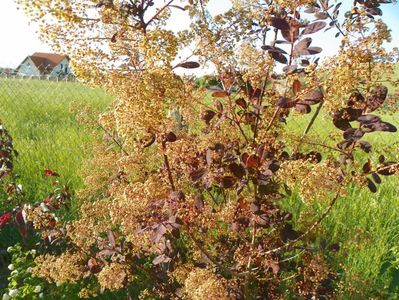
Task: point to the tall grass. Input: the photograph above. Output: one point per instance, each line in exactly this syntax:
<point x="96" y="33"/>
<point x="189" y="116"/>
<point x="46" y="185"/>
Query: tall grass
<point x="365" y="225"/>
<point x="46" y="133"/>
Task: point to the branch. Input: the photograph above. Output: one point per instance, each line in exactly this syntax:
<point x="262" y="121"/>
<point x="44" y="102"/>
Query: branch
<point x="226" y="271"/>
<point x="273" y="119"/>
<point x="264" y="85"/>
<point x="316" y="114"/>
<point x="321" y="145"/>
<point x="310" y="229"/>
<point x="114" y="139"/>
<point x="158" y="13"/>
<point x="314" y="117"/>
<point x="167" y="165"/>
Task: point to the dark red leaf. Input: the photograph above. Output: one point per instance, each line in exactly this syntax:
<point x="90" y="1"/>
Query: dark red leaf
<point x="272" y="165"/>
<point x="161" y="259"/>
<point x="376" y="178"/>
<point x="285" y="102"/>
<point x="372" y="187"/>
<point x="189" y="65"/>
<point x="280" y="23"/>
<point x="365" y="146"/>
<point x="296" y="86"/>
<point x="353" y="134"/>
<point x="227" y="182"/>
<point x="252" y="161"/>
<point x="311" y="51"/>
<point x="302" y="108"/>
<point x="367" y="167"/>
<point x="51" y="173"/>
<point x="171" y="137"/>
<point x="273" y="49"/>
<point x="113" y="39"/>
<point x="199" y="202"/>
<point x="387" y="168"/>
<point x="368" y="119"/>
<point x="197" y="175"/>
<point x="281" y="58"/>
<point x="19" y="219"/>
<point x="159" y="233"/>
<point x="382" y="126"/>
<point x="376" y="98"/>
<point x="314" y="27"/>
<point x="356" y="99"/>
<point x="220" y="94"/>
<point x="241" y="102"/>
<point x="302" y="45"/>
<point x="237" y="170"/>
<point x="207" y="116"/>
<point x="290" y="35"/>
<point x="345" y="145"/>
<point x="313" y="97"/>
<point x="288" y="233"/>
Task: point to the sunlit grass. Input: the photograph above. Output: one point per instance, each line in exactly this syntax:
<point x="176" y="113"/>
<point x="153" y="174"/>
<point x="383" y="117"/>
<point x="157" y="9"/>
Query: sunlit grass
<point x="46" y="133"/>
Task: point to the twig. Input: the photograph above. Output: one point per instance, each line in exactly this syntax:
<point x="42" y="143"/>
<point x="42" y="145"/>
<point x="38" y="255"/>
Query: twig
<point x="235" y="119"/>
<point x="114" y="139"/>
<point x="167" y="165"/>
<point x="227" y="272"/>
<point x="321" y="145"/>
<point x="278" y="108"/>
<point x="314" y="117"/>
<point x="310" y="229"/>
<point x="273" y="119"/>
<point x="264" y="85"/>
<point x="252" y="244"/>
<point x="316" y="114"/>
<point x="158" y="13"/>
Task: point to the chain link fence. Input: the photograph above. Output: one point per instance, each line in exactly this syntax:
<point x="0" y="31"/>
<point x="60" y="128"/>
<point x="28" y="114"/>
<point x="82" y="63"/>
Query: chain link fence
<point x="39" y="115"/>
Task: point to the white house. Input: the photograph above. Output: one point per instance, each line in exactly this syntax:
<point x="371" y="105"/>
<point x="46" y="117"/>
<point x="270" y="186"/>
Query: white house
<point x="49" y="65"/>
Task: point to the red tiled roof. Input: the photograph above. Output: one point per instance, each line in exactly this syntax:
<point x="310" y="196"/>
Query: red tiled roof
<point x="46" y="62"/>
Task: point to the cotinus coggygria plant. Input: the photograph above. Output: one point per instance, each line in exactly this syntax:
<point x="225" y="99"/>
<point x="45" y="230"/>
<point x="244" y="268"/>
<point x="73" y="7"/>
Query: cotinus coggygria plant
<point x="184" y="199"/>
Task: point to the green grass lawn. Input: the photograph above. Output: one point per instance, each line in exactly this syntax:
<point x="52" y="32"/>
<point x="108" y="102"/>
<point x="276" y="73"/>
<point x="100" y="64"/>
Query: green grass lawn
<point x="366" y="225"/>
<point x="46" y="133"/>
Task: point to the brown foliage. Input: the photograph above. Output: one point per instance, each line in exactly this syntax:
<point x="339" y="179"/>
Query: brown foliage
<point x="194" y="205"/>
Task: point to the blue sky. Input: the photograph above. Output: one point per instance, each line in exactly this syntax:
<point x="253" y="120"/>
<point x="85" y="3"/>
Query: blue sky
<point x="19" y="39"/>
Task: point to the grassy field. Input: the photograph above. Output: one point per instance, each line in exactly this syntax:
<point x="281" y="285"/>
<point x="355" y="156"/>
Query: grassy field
<point x="366" y="225"/>
<point x="45" y="131"/>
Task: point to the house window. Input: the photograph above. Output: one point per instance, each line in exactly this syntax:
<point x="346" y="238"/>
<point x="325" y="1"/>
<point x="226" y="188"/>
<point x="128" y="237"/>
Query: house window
<point x="61" y="66"/>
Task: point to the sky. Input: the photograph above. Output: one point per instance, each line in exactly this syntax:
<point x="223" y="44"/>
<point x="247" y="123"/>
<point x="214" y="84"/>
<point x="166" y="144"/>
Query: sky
<point x="19" y="39"/>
